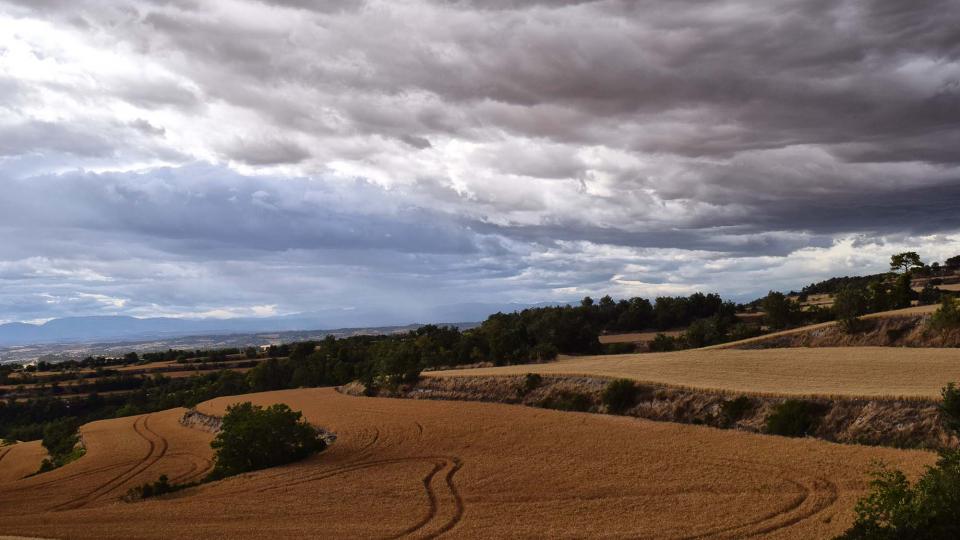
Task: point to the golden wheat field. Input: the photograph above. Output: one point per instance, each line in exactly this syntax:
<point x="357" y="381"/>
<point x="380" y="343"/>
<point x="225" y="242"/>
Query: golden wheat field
<point x="823" y="371"/>
<point x="423" y="469"/>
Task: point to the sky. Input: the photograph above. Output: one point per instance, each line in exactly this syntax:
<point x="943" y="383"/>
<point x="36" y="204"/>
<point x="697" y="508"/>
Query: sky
<point x="224" y="158"/>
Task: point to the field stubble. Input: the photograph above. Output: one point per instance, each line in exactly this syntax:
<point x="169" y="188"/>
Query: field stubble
<point x="421" y="469"/>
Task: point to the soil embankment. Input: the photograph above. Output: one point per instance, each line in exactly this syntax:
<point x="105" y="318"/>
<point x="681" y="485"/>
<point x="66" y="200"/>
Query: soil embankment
<point x="884" y="422"/>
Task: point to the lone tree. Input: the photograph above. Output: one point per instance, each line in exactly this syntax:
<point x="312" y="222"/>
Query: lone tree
<point x="905" y="262"/>
<point x="253" y="437"/>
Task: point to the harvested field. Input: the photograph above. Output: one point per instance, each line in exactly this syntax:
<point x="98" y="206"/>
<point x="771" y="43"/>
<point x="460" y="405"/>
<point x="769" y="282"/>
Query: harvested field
<point x="121" y="453"/>
<point x="410" y="468"/>
<point x="826" y="371"/>
<point x="636" y="337"/>
<point x="19" y="460"/>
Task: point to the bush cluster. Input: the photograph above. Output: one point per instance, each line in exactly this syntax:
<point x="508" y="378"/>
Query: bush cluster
<point x="253" y="437"/>
<point x="619" y="395"/>
<point x="567" y="400"/>
<point x="795" y="418"/>
<point x="927" y="509"/>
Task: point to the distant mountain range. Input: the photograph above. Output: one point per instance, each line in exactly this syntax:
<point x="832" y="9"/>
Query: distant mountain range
<point x="121" y="328"/>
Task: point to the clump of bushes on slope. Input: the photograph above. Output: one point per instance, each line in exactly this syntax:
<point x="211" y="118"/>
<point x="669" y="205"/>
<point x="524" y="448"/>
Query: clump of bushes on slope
<point x="619" y="395"/>
<point x="947" y="315"/>
<point x="567" y="400"/>
<point x="927" y="509"/>
<point x="61" y="439"/>
<point x="531" y="382"/>
<point x="254" y="437"/>
<point x="155" y="489"/>
<point x="795" y="418"/>
<point x="732" y="410"/>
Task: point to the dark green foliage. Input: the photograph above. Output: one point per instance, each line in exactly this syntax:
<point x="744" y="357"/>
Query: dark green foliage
<point x="567" y="400"/>
<point x="795" y="418"/>
<point x="531" y="381"/>
<point x="849" y="304"/>
<point x="733" y="410"/>
<point x="950" y="407"/>
<point x="619" y="348"/>
<point x="947" y="315"/>
<point x="665" y="343"/>
<point x="905" y="262"/>
<point x="780" y="311"/>
<point x="895" y="509"/>
<point x="833" y="285"/>
<point x="253" y="438"/>
<point x="60" y="439"/>
<point x="928" y="509"/>
<point x="930" y="294"/>
<point x="619" y="395"/>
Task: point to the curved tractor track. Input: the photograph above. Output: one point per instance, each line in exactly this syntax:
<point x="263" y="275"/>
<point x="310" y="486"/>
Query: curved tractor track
<point x="442" y="469"/>
<point x="157" y="448"/>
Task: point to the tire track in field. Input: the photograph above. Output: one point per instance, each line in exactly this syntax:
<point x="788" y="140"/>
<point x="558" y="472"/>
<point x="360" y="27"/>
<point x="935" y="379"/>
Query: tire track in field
<point x="440" y="463"/>
<point x="782" y="518"/>
<point x="157" y="448"/>
<point x="3" y="455"/>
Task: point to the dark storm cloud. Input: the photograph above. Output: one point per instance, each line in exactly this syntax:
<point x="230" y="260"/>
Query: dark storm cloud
<point x="207" y="208"/>
<point x="468" y="147"/>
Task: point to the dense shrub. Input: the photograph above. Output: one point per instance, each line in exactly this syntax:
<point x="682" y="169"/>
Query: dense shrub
<point x="155" y="489"/>
<point x="619" y="395"/>
<point x="795" y="418"/>
<point x="927" y="509"/>
<point x="895" y="509"/>
<point x="664" y="343"/>
<point x="567" y="400"/>
<point x="950" y="407"/>
<point x="732" y="410"/>
<point x="60" y="439"/>
<point x="947" y="315"/>
<point x="531" y="382"/>
<point x="619" y="348"/>
<point x="253" y="437"/>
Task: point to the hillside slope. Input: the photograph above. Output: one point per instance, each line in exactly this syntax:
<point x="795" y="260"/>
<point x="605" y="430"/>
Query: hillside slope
<point x="418" y="469"/>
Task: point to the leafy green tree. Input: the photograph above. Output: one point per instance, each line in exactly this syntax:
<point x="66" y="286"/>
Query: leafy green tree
<point x="901" y="294"/>
<point x="905" y="262"/>
<point x="779" y="311"/>
<point x="254" y="437"/>
<point x="950" y="407"/>
<point x="849" y="304"/>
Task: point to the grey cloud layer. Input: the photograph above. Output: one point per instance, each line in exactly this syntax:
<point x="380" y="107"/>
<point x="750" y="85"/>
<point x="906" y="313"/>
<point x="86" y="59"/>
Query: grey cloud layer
<point x="422" y="140"/>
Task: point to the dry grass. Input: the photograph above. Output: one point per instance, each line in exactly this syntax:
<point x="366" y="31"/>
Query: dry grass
<point x="842" y="371"/>
<point x="417" y="468"/>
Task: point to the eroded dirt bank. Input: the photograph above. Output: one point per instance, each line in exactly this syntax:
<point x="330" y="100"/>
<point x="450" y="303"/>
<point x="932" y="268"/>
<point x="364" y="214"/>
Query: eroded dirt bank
<point x="884" y="422"/>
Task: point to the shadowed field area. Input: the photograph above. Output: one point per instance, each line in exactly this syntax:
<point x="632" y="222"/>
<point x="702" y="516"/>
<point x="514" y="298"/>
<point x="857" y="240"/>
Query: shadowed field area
<point x="827" y="371"/>
<point x="420" y="469"/>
